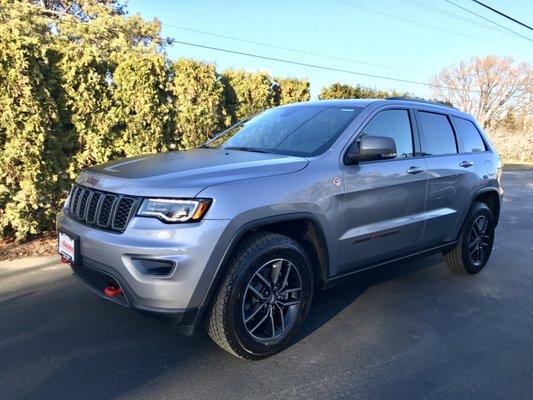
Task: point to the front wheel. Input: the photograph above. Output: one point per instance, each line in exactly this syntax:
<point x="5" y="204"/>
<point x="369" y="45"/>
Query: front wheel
<point x="264" y="298"/>
<point x="475" y="242"/>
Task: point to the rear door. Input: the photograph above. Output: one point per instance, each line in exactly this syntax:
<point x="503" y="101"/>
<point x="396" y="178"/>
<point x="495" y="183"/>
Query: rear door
<point x="472" y="147"/>
<point x="384" y="202"/>
<point x="452" y="177"/>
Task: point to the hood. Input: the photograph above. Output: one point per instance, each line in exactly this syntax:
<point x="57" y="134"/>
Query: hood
<point x="185" y="173"/>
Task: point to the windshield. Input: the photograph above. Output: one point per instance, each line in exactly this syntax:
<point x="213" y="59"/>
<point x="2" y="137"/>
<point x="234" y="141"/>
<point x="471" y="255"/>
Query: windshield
<point x="297" y="130"/>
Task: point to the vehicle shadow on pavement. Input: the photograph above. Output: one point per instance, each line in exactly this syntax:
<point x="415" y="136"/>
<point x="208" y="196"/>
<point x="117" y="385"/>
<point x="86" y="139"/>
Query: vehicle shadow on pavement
<point x="329" y="303"/>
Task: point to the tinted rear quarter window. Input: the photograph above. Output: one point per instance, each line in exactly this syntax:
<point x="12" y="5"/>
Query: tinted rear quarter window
<point x="437" y="134"/>
<point x="469" y="136"/>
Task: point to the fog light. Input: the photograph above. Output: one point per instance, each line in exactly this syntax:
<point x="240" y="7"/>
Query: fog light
<point x="152" y="267"/>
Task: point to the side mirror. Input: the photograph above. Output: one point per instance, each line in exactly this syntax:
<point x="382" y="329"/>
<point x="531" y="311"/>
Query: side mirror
<point x="371" y="148"/>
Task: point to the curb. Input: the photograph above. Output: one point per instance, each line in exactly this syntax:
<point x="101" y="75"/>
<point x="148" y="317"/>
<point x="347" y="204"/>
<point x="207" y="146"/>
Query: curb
<point x="30" y="262"/>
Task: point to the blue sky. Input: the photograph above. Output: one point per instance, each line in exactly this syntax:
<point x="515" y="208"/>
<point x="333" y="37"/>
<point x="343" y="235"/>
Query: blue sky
<point x="340" y="28"/>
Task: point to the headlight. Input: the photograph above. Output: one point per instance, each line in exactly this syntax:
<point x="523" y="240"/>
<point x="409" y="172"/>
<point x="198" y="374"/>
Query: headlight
<point x="174" y="210"/>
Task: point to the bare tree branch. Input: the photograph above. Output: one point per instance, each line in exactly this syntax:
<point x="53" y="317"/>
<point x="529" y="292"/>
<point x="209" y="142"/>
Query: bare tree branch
<point x="487" y="87"/>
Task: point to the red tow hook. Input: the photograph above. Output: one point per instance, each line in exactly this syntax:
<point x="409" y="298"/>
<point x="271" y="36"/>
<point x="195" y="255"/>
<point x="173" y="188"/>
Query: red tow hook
<point x="112" y="291"/>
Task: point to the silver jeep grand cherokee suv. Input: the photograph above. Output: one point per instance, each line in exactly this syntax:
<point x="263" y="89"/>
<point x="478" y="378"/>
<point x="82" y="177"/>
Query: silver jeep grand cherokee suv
<point x="239" y="233"/>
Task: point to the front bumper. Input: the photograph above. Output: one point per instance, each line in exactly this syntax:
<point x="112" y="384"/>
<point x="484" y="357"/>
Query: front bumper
<point x="188" y="246"/>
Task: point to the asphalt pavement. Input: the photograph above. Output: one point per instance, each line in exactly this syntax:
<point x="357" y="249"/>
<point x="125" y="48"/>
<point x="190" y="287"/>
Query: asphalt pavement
<point x="412" y="330"/>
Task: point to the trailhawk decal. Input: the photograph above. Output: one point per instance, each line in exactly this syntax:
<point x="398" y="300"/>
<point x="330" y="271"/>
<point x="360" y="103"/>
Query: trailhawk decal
<point x="374" y="237"/>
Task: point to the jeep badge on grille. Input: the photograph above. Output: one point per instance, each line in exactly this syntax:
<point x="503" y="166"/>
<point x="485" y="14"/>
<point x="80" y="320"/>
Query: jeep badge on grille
<point x="91" y="180"/>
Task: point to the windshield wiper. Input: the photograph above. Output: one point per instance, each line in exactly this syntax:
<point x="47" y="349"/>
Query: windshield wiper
<point x="241" y="122"/>
<point x="244" y="148"/>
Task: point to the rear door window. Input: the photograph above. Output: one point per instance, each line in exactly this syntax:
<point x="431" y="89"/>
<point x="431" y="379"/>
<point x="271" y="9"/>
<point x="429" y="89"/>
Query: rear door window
<point x="468" y="136"/>
<point x="437" y="134"/>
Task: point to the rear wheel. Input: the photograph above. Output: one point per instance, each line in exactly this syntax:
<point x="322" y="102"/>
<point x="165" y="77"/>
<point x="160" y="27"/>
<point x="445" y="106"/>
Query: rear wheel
<point x="474" y="247"/>
<point x="264" y="298"/>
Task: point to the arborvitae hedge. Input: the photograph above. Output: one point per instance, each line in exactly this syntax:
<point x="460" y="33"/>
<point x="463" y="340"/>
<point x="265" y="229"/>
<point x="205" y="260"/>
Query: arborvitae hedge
<point x="197" y="101"/>
<point x="83" y="84"/>
<point x="292" y="90"/>
<point x="88" y="107"/>
<point x="30" y="136"/>
<point x="141" y="104"/>
<point x="247" y="93"/>
<point x="341" y="91"/>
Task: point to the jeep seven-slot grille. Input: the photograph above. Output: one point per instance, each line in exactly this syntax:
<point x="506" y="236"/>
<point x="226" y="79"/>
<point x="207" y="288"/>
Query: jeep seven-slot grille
<point x="108" y="211"/>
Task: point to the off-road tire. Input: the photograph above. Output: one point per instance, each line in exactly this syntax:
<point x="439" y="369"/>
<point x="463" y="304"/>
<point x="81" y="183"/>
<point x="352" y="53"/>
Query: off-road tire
<point x="224" y="322"/>
<point x="458" y="258"/>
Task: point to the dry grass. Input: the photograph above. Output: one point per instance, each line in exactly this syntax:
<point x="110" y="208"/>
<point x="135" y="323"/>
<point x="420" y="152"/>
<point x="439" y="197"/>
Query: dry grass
<point x="516" y="146"/>
<point x="510" y="165"/>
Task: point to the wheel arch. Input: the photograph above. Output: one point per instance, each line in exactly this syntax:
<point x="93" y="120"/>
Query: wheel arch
<point x="304" y="227"/>
<point x="307" y="231"/>
<point x="487" y="195"/>
<point x="491" y="198"/>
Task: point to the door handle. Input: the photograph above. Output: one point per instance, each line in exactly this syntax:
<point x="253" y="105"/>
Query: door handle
<point x="414" y="170"/>
<point x="466" y="164"/>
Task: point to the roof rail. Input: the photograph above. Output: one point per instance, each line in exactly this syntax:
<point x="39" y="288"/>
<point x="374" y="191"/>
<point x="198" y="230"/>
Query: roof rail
<point x="419" y="100"/>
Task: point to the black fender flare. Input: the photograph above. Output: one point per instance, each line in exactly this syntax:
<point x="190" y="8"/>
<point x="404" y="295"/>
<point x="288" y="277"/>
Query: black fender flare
<point x="210" y="281"/>
<point x="475" y="194"/>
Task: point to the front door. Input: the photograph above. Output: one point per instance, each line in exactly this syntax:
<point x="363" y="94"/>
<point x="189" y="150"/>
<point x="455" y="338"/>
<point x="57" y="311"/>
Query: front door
<point x="384" y="203"/>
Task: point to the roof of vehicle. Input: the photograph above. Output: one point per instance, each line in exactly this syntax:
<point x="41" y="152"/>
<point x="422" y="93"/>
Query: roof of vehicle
<point x="337" y="102"/>
<point x="393" y="100"/>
